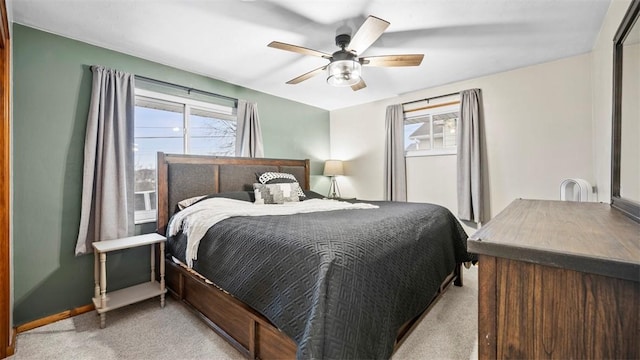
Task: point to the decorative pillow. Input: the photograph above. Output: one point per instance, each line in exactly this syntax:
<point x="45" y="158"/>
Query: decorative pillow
<point x="280" y="178"/>
<point x="235" y="195"/>
<point x="188" y="202"/>
<point x="276" y="193"/>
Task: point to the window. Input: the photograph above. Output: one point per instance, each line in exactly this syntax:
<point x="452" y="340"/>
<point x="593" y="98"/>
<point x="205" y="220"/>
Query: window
<point x="179" y="126"/>
<point x="431" y="130"/>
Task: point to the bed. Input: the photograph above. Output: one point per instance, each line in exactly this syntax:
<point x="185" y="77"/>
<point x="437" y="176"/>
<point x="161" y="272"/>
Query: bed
<point x="279" y="287"/>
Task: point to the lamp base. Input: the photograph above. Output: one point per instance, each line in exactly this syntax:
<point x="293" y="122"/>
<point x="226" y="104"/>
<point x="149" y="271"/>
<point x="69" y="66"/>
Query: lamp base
<point x="334" y="191"/>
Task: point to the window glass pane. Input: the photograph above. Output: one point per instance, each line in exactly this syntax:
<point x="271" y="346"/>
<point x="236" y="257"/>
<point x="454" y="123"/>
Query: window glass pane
<point x="210" y="135"/>
<point x="157" y="129"/>
<point x="146" y="149"/>
<point x="444" y="129"/>
<point x="438" y="134"/>
<point x="152" y="123"/>
<point x="139" y="201"/>
<point x="451" y="126"/>
<point x="159" y="126"/>
<point x="152" y="199"/>
<point x="431" y="130"/>
<point x="417" y="134"/>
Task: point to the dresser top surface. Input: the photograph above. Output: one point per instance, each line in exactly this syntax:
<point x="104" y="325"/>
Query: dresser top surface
<point x="561" y="231"/>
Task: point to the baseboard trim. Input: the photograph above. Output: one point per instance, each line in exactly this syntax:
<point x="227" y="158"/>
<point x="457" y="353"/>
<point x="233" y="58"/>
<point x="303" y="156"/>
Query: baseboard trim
<point x="55" y="317"/>
<point x="11" y="349"/>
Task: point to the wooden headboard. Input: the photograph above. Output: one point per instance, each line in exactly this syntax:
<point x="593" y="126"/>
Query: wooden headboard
<point x="184" y="176"/>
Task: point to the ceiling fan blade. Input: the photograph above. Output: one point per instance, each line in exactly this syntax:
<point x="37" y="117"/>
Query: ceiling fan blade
<point x="368" y="33"/>
<point x="306" y="76"/>
<point x="360" y="85"/>
<point x="393" y="60"/>
<point x="298" y="49"/>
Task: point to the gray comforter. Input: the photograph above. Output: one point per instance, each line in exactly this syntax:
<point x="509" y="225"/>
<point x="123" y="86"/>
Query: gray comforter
<point x="339" y="283"/>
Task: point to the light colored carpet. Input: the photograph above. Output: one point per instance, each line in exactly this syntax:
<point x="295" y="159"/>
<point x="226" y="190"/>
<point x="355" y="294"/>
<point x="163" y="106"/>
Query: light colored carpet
<point x="146" y="331"/>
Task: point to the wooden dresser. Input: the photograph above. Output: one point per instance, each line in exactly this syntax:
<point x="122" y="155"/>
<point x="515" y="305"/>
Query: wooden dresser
<point x="558" y="280"/>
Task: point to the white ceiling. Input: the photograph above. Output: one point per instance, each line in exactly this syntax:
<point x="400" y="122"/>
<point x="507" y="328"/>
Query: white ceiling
<point x="227" y="39"/>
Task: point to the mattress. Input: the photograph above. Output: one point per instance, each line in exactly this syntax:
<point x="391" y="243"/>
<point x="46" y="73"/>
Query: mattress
<point x="339" y="283"/>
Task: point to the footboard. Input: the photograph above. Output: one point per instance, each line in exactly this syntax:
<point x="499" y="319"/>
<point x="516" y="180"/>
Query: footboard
<point x="245" y="329"/>
<point x="248" y="331"/>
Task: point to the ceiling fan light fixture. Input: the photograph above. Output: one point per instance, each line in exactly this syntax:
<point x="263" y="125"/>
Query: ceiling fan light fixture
<point x="344" y="73"/>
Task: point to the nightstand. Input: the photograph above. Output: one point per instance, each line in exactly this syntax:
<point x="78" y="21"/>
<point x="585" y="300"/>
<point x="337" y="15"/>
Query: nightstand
<point x="104" y="301"/>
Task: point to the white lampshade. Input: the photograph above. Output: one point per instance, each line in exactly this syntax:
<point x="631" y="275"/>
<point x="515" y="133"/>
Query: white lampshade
<point x="344" y="73"/>
<point x="333" y="168"/>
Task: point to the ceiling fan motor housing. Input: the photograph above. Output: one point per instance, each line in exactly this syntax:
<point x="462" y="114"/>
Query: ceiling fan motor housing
<point x="343" y="40"/>
<point x="342" y="55"/>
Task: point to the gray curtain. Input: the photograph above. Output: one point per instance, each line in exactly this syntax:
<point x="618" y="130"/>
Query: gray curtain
<point x="395" y="187"/>
<point x="248" y="132"/>
<point x="108" y="178"/>
<point x="470" y="185"/>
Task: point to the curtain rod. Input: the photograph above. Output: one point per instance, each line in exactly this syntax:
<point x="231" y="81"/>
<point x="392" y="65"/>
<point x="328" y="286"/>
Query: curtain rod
<point x="433" y="106"/>
<point x="188" y="89"/>
<point x="431" y="98"/>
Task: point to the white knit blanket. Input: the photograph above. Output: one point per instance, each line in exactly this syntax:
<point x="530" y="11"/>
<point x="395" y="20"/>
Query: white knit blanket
<point x="195" y="220"/>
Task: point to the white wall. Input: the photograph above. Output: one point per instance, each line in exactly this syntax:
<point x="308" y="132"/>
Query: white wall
<point x="538" y="132"/>
<point x="629" y="154"/>
<point x="357" y="137"/>
<point x="602" y="87"/>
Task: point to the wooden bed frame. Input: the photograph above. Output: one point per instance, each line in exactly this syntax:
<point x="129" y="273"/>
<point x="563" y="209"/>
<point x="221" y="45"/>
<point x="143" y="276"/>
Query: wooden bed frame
<point x="184" y="176"/>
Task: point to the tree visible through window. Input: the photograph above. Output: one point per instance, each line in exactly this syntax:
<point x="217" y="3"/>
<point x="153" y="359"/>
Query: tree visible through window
<point x="178" y="126"/>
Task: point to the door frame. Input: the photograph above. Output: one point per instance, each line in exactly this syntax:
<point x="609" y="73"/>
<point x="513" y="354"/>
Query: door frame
<point x="7" y="334"/>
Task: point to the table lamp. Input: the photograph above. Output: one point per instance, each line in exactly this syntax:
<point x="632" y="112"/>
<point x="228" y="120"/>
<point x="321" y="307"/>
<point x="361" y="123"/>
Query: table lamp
<point x="333" y="168"/>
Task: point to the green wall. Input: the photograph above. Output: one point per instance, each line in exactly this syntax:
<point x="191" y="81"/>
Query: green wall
<point x="52" y="86"/>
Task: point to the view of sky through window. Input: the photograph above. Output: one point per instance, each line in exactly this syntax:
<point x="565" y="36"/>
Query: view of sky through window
<point x="156" y="130"/>
<point x="175" y="126"/>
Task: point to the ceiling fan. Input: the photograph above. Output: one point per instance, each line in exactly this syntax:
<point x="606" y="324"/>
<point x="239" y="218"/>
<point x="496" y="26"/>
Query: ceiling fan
<point x="345" y="65"/>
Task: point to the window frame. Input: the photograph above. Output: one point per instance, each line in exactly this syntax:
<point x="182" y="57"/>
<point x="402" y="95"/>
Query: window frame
<point x="222" y="112"/>
<point x="430" y="112"/>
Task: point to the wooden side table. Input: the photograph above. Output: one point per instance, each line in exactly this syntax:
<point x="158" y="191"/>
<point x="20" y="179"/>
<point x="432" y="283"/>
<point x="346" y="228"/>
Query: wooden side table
<point x="104" y="301"/>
